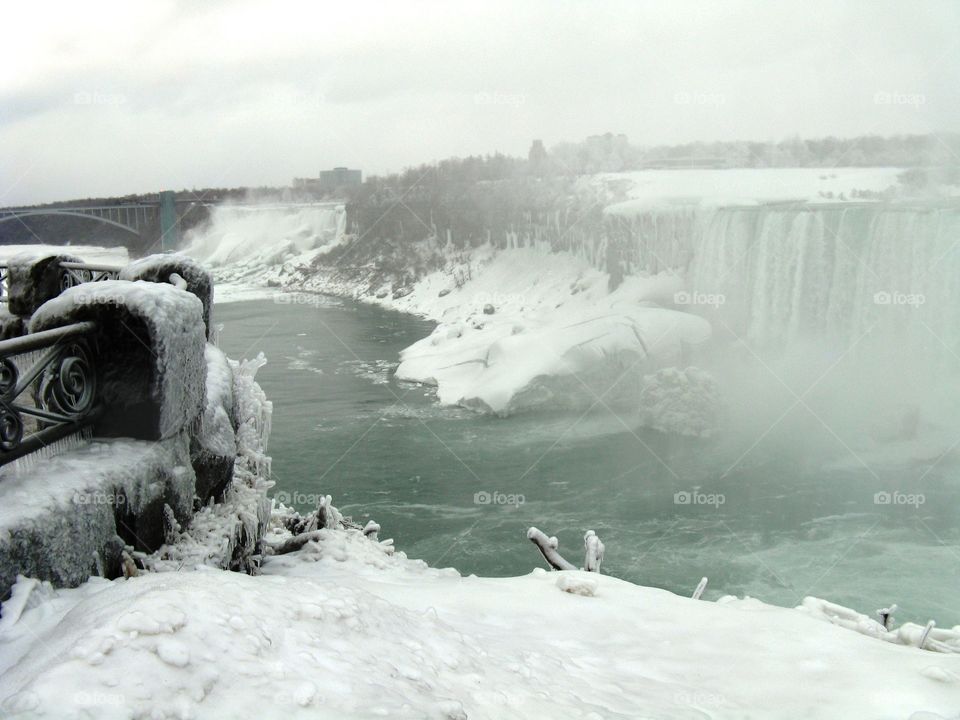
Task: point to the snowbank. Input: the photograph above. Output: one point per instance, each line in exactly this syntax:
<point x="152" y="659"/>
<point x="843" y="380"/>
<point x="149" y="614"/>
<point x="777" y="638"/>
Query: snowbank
<point x="534" y="329"/>
<point x="344" y="629"/>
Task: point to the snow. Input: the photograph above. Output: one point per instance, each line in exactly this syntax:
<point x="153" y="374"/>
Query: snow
<point x="93" y="254"/>
<point x="561" y="337"/>
<point x="242" y="240"/>
<point x="343" y="628"/>
<point x="56" y="514"/>
<point x="174" y="320"/>
<point x="646" y="189"/>
<point x="228" y="534"/>
<point x="216" y="428"/>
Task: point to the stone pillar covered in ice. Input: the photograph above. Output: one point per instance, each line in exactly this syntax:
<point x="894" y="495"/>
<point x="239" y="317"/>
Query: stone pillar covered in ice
<point x="33" y="279"/>
<point x="149" y="350"/>
<point x="159" y="268"/>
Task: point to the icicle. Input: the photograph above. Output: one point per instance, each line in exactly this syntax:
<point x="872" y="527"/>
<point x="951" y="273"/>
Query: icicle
<point x="98" y="563"/>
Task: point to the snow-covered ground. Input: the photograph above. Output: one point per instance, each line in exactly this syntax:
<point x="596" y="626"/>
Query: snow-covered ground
<point x="345" y="628"/>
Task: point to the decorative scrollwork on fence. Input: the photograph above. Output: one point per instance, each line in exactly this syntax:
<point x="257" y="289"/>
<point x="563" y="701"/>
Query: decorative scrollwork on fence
<point x="48" y="388"/>
<point x="78" y="273"/>
<point x="68" y="384"/>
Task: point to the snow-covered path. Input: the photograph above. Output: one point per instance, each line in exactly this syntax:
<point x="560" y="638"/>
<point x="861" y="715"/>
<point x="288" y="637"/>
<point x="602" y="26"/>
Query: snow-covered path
<point x="343" y="630"/>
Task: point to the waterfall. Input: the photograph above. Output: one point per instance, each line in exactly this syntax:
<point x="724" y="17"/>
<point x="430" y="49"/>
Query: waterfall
<point x="793" y="273"/>
<point x="255" y="236"/>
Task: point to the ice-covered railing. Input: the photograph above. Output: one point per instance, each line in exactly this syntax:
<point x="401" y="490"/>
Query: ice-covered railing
<point x="48" y="388"/>
<point x="141" y="327"/>
<point x="75" y="273"/>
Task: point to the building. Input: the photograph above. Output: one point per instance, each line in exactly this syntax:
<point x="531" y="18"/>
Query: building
<point x="329" y="181"/>
<point x="339" y="177"/>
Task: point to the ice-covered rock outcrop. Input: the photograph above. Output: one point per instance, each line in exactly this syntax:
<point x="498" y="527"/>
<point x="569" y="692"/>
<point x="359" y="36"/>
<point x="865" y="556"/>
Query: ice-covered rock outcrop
<point x="159" y="269"/>
<point x="144" y="325"/>
<point x="33" y="277"/>
<point x="561" y="338"/>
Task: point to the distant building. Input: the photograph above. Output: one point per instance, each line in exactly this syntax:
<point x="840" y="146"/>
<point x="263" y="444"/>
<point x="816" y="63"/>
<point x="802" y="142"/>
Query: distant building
<point x="329" y="181"/>
<point x="339" y="177"/>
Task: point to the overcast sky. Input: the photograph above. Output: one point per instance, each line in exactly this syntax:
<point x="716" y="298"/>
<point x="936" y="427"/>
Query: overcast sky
<point x="109" y="98"/>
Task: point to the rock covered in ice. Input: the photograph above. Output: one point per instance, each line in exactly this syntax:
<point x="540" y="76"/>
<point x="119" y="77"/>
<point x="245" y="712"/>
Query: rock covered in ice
<point x="175" y="270"/>
<point x="213" y="448"/>
<point x="141" y="325"/>
<point x="216" y="425"/>
<point x="57" y="513"/>
<point x="685" y="402"/>
<point x="33" y="278"/>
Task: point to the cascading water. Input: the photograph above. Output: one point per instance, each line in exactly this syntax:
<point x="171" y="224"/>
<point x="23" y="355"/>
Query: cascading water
<point x="240" y="241"/>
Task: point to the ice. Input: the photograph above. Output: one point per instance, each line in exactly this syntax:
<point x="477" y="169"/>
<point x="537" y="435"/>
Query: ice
<point x="351" y="631"/>
<point x="178" y="337"/>
<point x="564" y="336"/>
<point x="216" y="427"/>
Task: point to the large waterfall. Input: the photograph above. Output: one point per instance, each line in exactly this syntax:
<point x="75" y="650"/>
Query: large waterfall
<point x="243" y="240"/>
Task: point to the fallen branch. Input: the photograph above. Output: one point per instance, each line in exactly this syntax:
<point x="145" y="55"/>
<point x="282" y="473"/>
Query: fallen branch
<point x="293" y="544"/>
<point x="548" y="548"/>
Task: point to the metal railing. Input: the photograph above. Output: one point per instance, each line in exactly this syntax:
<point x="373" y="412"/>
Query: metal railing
<point x="75" y="273"/>
<point x="48" y="388"/>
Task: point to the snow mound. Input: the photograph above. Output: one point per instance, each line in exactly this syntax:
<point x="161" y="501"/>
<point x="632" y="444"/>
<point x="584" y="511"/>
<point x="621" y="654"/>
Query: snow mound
<point x="577" y="584"/>
<point x="561" y="338"/>
<point x="343" y="629"/>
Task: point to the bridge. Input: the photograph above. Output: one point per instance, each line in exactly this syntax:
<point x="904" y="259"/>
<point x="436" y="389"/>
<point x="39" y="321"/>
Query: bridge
<point x="134" y="218"/>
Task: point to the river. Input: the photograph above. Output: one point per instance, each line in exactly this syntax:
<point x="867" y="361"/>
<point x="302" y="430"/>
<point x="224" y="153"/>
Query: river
<point x="460" y="489"/>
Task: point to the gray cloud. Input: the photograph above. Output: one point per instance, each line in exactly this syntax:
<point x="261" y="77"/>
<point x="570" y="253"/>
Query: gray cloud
<point x="121" y="98"/>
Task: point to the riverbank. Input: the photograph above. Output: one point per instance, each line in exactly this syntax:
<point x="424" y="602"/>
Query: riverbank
<point x="349" y="628"/>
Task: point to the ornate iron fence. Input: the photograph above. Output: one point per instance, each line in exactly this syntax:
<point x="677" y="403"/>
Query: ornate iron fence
<point x="75" y="273"/>
<point x="48" y="388"/>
